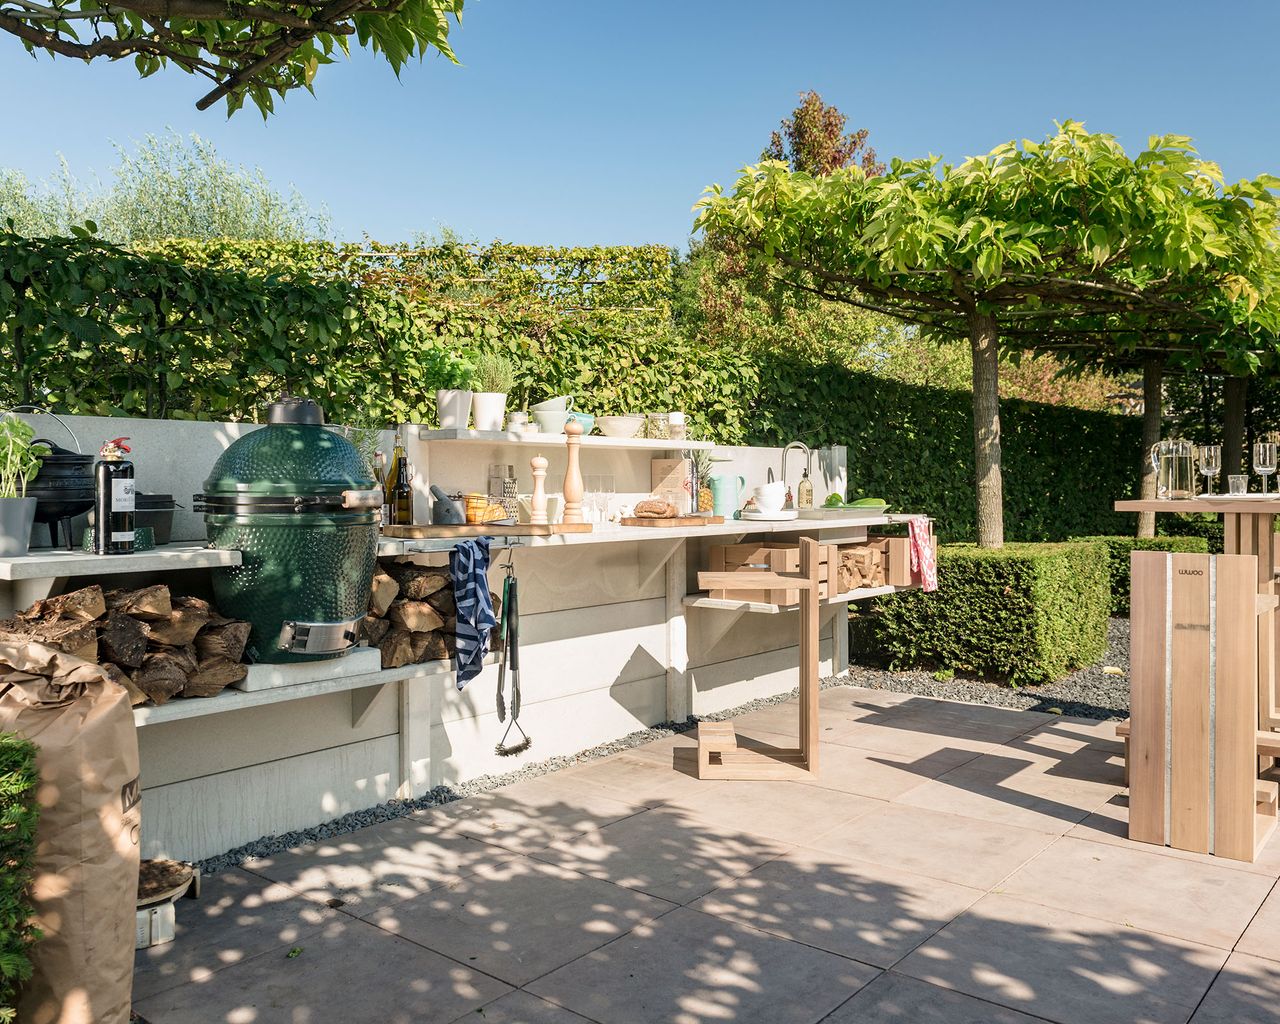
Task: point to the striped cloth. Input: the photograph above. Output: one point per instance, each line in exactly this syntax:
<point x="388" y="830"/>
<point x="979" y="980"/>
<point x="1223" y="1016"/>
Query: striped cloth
<point x="469" y="567"/>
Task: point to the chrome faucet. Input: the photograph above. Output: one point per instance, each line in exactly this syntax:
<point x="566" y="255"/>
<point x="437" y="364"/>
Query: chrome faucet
<point x="808" y="458"/>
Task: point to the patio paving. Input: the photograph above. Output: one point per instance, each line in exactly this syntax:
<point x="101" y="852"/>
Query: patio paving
<point x="953" y="864"/>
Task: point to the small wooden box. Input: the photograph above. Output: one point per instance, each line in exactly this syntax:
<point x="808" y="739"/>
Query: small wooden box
<point x="776" y="557"/>
<point x="896" y="552"/>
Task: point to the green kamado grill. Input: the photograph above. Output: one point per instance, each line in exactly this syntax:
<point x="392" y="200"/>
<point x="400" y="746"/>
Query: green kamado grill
<point x="301" y="506"/>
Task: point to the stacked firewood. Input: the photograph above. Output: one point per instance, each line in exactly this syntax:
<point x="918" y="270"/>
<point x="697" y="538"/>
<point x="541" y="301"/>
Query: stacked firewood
<point x="157" y="646"/>
<point x="412" y="615"/>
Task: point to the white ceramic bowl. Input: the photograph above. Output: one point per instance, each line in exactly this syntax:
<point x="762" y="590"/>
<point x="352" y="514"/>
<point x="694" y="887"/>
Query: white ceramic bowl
<point x="770" y="497"/>
<point x="551" y="422"/>
<point x="619" y="426"/>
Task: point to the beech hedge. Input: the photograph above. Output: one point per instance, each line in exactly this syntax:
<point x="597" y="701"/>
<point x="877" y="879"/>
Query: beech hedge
<point x="215" y="330"/>
<point x="1022" y="614"/>
<point x="18" y="815"/>
<point x="1120" y="548"/>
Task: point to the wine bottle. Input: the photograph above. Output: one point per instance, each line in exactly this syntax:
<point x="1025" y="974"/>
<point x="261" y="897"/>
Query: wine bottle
<point x="402" y="494"/>
<point x="113" y="500"/>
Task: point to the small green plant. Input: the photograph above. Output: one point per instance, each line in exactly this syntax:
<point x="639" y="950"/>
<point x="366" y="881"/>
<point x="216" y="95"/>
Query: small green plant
<point x="445" y="369"/>
<point x="18" y="814"/>
<point x="495" y="374"/>
<point x="944" y="675"/>
<point x="19" y="458"/>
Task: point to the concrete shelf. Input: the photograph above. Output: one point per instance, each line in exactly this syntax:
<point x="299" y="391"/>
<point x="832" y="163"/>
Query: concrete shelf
<point x="55" y="563"/>
<point x="546" y="440"/>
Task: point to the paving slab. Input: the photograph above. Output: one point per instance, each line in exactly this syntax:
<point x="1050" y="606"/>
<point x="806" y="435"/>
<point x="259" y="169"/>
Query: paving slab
<point x="1066" y="967"/>
<point x="1262" y="937"/>
<point x="783" y="811"/>
<point x="864" y="911"/>
<point x="237" y="917"/>
<point x="967" y="851"/>
<point x="1128" y="886"/>
<point x="520" y="919"/>
<point x="533" y="814"/>
<point x="521" y="1007"/>
<point x="351" y="972"/>
<point x="664" y="852"/>
<point x="1246" y="992"/>
<point x="381" y="864"/>
<point x="847" y="769"/>
<point x="693" y="968"/>
<point x="896" y="999"/>
<point x="637" y="779"/>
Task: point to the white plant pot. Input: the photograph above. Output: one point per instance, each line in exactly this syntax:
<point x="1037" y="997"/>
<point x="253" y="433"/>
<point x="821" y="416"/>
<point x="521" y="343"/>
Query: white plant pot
<point x="454" y="408"/>
<point x="489" y="409"/>
<point x="16" y="517"/>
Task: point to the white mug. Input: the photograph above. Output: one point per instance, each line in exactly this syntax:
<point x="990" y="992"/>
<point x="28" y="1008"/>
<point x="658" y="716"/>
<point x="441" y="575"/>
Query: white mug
<point x="562" y="404"/>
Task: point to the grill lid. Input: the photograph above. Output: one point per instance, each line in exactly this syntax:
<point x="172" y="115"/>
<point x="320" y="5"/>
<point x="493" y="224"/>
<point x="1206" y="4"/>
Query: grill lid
<point x="289" y="466"/>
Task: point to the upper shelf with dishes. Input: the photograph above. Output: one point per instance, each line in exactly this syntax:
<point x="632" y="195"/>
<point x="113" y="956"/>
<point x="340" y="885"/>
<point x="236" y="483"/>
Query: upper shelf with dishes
<point x="536" y="438"/>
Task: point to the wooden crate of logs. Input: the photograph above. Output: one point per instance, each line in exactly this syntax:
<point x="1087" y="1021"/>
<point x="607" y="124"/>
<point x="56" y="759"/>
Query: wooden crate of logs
<point x="412" y="616"/>
<point x="157" y="646"/>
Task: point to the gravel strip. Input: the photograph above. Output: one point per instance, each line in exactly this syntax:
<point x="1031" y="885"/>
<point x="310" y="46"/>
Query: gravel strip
<point x="1087" y="693"/>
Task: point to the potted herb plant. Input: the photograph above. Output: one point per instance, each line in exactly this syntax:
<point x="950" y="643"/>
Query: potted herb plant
<point x="495" y="377"/>
<point x="454" y="373"/>
<point x="19" y="464"/>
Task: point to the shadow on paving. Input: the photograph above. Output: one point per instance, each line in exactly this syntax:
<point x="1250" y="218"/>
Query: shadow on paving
<point x="623" y="909"/>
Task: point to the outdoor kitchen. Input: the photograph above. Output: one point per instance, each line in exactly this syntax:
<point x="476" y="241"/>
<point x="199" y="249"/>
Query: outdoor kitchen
<point x="290" y="660"/>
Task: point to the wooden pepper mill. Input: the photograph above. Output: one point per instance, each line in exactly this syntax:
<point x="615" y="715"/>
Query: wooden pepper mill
<point x="572" y="473"/>
<point x="538" y="501"/>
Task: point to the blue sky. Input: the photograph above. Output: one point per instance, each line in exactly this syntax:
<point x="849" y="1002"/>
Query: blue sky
<point x="600" y="121"/>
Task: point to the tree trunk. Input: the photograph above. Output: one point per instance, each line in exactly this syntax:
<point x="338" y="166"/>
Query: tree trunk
<point x="986" y="429"/>
<point x="1234" y="392"/>
<point x="1152" y="407"/>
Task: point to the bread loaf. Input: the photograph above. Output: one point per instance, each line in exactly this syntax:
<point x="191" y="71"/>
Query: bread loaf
<point x="655" y="508"/>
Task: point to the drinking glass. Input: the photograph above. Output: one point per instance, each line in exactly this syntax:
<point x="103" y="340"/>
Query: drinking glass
<point x="1210" y="464"/>
<point x="1237" y="483"/>
<point x="606" y="496"/>
<point x="590" y="489"/>
<point x="1264" y="460"/>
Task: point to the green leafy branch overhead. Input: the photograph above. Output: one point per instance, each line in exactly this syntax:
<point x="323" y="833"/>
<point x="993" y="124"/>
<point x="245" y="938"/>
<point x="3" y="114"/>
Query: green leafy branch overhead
<point x="255" y="50"/>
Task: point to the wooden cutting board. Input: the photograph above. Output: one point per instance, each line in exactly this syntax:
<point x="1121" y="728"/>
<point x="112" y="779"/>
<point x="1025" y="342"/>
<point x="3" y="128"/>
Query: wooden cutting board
<point x="673" y="522"/>
<point x="483" y="530"/>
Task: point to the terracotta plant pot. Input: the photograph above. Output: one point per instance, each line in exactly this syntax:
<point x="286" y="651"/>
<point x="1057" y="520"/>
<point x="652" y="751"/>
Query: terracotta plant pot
<point x="16" y="517"/>
<point x="489" y="408"/>
<point x="454" y="408"/>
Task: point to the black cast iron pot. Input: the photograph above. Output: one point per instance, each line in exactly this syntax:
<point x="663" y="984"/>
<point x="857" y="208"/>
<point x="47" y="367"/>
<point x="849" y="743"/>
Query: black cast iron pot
<point x="63" y="488"/>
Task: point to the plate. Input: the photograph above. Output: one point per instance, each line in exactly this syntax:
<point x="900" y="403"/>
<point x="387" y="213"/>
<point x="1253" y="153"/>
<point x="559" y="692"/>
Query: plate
<point x="786" y="515"/>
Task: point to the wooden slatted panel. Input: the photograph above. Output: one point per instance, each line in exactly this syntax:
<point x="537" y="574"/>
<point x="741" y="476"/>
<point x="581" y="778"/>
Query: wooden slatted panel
<point x="1148" y="609"/>
<point x="1235" y="708"/>
<point x="809" y="615"/>
<point x="1189" y="821"/>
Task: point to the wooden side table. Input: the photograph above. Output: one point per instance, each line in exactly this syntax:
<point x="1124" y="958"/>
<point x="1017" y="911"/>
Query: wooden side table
<point x="1249" y="529"/>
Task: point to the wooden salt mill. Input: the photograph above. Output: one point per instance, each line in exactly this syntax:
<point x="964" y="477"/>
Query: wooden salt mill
<point x="572" y="474"/>
<point x="538" y="502"/>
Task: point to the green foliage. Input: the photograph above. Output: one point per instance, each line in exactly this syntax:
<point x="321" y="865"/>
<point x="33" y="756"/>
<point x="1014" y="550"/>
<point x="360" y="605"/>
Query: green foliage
<point x="251" y="51"/>
<point x="19" y="459"/>
<point x="1120" y="548"/>
<point x="167" y="186"/>
<point x="813" y="140"/>
<point x="495" y="373"/>
<point x="216" y="330"/>
<point x="18" y="816"/>
<point x="1206" y="525"/>
<point x="1025" y="613"/>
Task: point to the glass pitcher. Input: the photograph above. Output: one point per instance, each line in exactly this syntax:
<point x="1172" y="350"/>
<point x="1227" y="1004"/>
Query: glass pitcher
<point x="1174" y="464"/>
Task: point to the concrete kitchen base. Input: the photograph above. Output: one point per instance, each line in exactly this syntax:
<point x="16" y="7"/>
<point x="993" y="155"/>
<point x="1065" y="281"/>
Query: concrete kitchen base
<point x="608" y="646"/>
<point x="268" y="677"/>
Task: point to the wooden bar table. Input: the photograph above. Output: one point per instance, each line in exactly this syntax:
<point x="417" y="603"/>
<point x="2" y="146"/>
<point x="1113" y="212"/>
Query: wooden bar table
<point x="1248" y="529"/>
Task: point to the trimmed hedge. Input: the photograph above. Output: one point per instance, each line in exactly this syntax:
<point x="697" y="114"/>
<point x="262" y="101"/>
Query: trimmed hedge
<point x="1206" y="525"/>
<point x="1026" y="613"/>
<point x="1118" y="551"/>
<point x="18" y="814"/>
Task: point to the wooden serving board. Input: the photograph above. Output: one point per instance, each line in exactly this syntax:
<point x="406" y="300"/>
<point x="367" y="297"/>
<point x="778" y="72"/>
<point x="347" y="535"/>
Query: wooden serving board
<point x="673" y="521"/>
<point x="483" y="530"/>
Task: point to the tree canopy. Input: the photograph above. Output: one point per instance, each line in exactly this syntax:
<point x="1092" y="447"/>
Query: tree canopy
<point x="813" y="140"/>
<point x="1038" y="245"/>
<point x="254" y="50"/>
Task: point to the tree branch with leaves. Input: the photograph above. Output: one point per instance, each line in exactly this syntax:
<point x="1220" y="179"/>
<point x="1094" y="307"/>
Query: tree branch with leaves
<point x="256" y="51"/>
